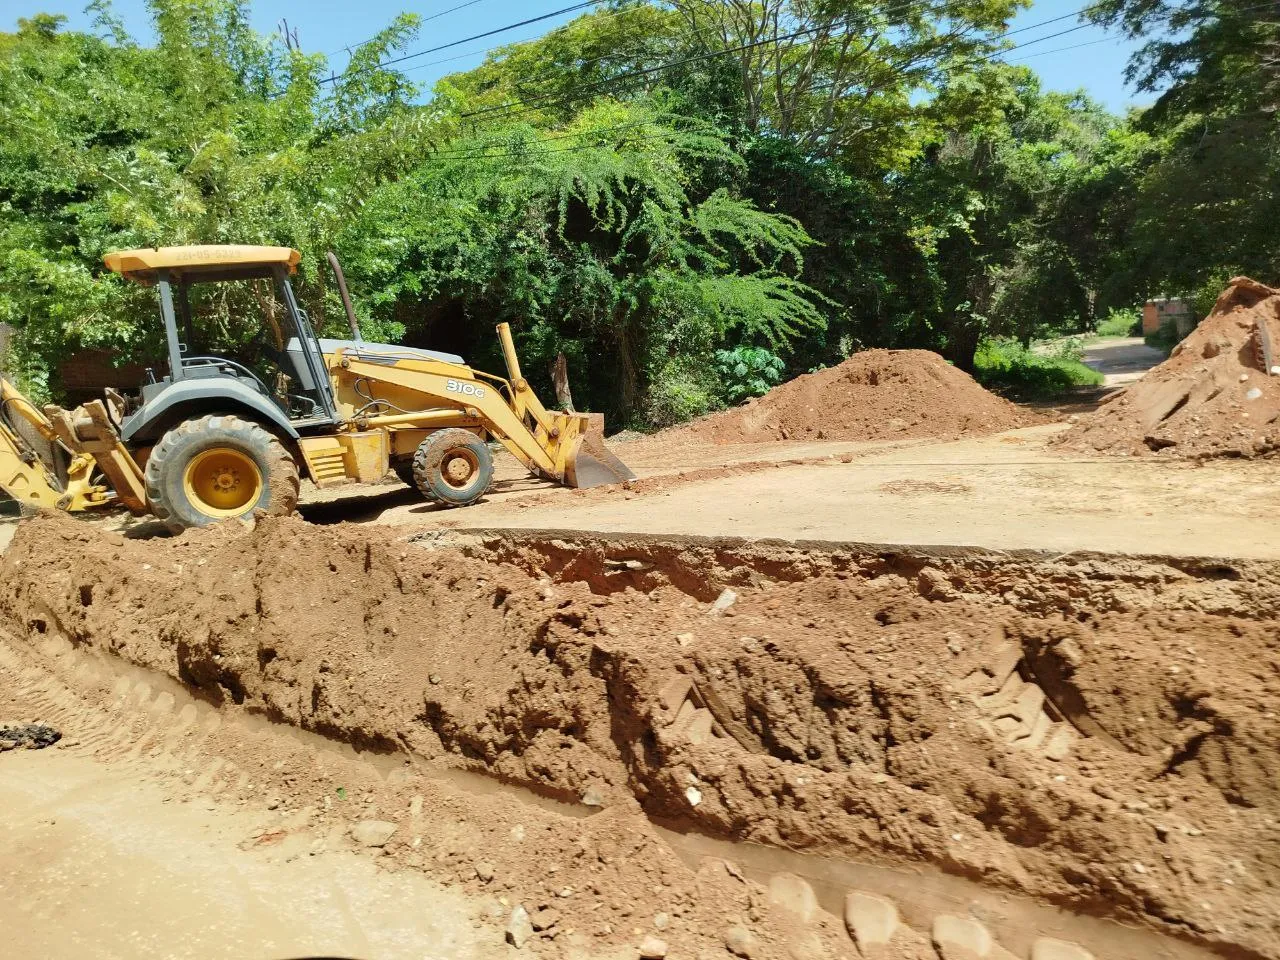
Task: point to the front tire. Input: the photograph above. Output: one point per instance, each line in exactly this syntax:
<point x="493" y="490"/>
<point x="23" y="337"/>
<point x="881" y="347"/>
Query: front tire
<point x="453" y="467"/>
<point x="219" y="468"/>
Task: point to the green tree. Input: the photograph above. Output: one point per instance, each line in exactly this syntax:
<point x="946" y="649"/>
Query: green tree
<point x="595" y="243"/>
<point x="1000" y="209"/>
<point x="214" y="135"/>
<point x="1209" y="190"/>
<point x="639" y="188"/>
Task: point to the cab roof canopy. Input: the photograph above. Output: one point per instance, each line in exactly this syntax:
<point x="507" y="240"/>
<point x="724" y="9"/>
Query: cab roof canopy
<point x="199" y="264"/>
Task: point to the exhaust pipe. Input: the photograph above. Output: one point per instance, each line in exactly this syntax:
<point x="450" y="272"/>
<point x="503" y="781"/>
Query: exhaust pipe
<point x="346" y="297"/>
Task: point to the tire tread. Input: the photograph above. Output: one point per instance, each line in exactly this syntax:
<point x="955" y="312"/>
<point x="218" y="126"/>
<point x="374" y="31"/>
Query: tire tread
<point x="282" y="477"/>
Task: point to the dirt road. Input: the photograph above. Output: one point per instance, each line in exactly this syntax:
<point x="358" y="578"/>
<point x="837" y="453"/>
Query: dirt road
<point x="1121" y="360"/>
<point x="101" y="861"/>
<point x="1008" y="491"/>
<point x="1004" y="492"/>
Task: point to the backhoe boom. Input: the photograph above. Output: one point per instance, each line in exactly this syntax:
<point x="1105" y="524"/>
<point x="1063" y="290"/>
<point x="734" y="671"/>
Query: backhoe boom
<point x="25" y="476"/>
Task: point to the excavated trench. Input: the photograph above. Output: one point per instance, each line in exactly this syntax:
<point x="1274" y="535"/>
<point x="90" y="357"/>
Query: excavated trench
<point x="1050" y="743"/>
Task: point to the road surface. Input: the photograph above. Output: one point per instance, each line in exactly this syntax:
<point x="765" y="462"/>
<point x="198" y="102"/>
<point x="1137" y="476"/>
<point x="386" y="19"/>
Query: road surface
<point x="1121" y="360"/>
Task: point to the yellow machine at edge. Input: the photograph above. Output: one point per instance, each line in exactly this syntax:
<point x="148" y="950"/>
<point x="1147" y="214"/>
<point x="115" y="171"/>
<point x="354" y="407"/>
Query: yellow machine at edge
<point x="217" y="439"/>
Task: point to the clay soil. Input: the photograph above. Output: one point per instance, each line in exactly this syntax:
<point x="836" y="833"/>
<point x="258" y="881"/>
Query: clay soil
<point x="874" y="395"/>
<point x="585" y="743"/>
<point x="1097" y="733"/>
<point x="1211" y="398"/>
<point x="1008" y="491"/>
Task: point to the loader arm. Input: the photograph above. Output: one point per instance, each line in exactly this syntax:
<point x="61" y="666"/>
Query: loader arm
<point x="557" y="446"/>
<point x="456" y="387"/>
<point x="22" y="475"/>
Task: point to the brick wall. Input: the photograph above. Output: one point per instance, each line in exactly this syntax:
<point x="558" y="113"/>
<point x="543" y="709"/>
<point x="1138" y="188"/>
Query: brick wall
<point x="1157" y="313"/>
<point x="84" y="375"/>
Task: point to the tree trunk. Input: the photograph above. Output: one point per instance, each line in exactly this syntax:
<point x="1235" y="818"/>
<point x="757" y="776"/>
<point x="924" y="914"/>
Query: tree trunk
<point x="560" y="378"/>
<point x="962" y="345"/>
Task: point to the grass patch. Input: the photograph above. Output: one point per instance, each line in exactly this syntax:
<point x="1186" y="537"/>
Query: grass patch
<point x="1120" y="323"/>
<point x="1010" y="368"/>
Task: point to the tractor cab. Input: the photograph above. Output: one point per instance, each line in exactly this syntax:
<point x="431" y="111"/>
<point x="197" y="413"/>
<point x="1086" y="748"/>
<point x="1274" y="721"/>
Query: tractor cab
<point x="275" y="369"/>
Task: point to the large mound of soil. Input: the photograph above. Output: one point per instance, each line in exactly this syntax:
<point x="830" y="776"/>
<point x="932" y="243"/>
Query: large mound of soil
<point x="1211" y="398"/>
<point x="1026" y="722"/>
<point x="874" y="395"/>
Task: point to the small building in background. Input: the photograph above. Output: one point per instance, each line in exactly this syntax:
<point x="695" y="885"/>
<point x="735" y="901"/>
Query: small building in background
<point x="1166" y="311"/>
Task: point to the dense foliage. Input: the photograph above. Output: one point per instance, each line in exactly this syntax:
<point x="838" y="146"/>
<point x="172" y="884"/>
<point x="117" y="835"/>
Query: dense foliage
<point x="747" y="372"/>
<point x="689" y="199"/>
<point x="1205" y="158"/>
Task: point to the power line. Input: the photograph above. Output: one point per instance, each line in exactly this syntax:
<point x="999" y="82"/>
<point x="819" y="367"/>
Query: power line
<point x="378" y="66"/>
<point x="434" y="16"/>
<point x="532" y="103"/>
<point x="638" y="50"/>
<point x="943" y="10"/>
<point x="645" y="71"/>
<point x="1019" y="46"/>
<point x="456" y="43"/>
<point x="889" y="11"/>
<point x="1074" y="46"/>
<point x="1166" y="17"/>
<point x="1008" y="50"/>
<point x="517" y="43"/>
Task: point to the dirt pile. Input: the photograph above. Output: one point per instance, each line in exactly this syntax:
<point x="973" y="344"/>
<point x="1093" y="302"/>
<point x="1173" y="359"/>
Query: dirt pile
<point x="1115" y="751"/>
<point x="874" y="395"/>
<point x="1211" y="398"/>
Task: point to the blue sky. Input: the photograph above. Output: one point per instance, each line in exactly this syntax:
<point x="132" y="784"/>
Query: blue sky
<point x="1095" y="60"/>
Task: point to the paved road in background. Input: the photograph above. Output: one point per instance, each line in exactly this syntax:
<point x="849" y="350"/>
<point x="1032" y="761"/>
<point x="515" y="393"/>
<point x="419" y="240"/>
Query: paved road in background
<point x="1121" y="359"/>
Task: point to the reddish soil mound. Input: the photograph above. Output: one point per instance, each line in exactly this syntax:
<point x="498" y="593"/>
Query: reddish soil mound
<point x="874" y="395"/>
<point x="1114" y="749"/>
<point x="1211" y="398"/>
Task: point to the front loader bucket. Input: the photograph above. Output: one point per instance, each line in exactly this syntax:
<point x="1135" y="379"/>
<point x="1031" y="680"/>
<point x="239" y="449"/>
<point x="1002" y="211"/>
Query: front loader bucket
<point x="592" y="465"/>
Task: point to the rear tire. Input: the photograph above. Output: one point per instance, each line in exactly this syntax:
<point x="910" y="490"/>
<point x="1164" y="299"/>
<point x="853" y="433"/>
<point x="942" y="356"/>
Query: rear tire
<point x="404" y="470"/>
<point x="219" y="468"/>
<point x="454" y="467"/>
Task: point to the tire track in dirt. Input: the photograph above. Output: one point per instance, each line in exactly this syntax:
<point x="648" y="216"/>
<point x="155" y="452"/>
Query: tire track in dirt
<point x="609" y="669"/>
<point x="881" y="907"/>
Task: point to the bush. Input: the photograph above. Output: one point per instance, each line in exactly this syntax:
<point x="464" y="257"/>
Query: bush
<point x="1164" y="339"/>
<point x="1121" y="323"/>
<point x="679" y="392"/>
<point x="1206" y="295"/>
<point x="747" y="372"/>
<point x="1009" y="367"/>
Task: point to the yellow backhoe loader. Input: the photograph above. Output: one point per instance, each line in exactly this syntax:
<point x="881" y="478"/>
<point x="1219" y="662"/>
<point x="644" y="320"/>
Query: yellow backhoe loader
<point x="218" y="438"/>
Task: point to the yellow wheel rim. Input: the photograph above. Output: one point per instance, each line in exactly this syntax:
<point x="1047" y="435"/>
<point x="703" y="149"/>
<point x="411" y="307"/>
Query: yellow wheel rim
<point x="222" y="482"/>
